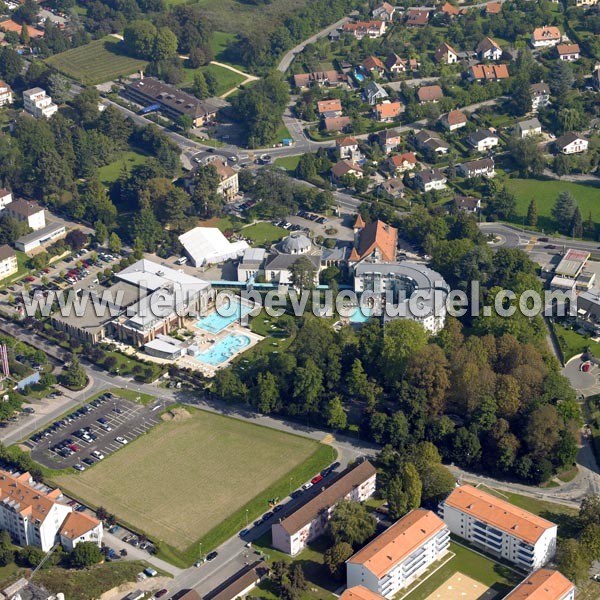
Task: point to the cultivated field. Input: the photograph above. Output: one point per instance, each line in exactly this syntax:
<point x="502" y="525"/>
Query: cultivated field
<point x="96" y="62"/>
<point x="189" y="474"/>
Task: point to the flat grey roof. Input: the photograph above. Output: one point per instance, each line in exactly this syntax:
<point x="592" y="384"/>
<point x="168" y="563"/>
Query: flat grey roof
<point x="50" y="229"/>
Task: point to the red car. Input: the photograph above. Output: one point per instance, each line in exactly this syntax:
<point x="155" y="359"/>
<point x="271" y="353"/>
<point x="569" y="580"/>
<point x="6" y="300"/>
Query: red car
<point x="160" y="593"/>
<point x="47" y="270"/>
<point x="73" y="447"/>
<point x="30" y="278"/>
<point x="316" y="479"/>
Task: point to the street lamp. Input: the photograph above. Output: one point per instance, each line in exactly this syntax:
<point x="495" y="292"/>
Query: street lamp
<point x="200" y="544"/>
<point x="246" y="517"/>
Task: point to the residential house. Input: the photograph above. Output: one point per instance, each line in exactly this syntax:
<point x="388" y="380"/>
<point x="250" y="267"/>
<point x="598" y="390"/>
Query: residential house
<point x="400" y="163"/>
<point x="6" y="94"/>
<point x="330" y="108"/>
<point x="446" y="54"/>
<point x="279" y="268"/>
<point x="173" y="102"/>
<point x="79" y="527"/>
<point x="571" y="143"/>
<point x="374" y="66"/>
<point x="416" y="17"/>
<point x="251" y="264"/>
<point x="487" y="72"/>
<point x="543" y="584"/>
<point x="545" y="37"/>
<point x="384" y="12"/>
<point x="399" y="555"/>
<point x="38" y="104"/>
<point x="449" y="9"/>
<point x="5" y="198"/>
<point x="540" y="95"/>
<point x="241" y="583"/>
<point x="484" y="167"/>
<point x="453" y="120"/>
<point x="359" y="592"/>
<point x="483" y="140"/>
<point x="586" y="2"/>
<point x="336" y="123"/>
<point x="430" y="179"/>
<point x="396" y="65"/>
<point x="361" y="29"/>
<point x="488" y="49"/>
<point x="389" y="139"/>
<point x="34" y="514"/>
<point x="467" y="204"/>
<point x="430" y="142"/>
<point x="393" y="188"/>
<point x="309" y="521"/>
<point x="8" y="261"/>
<point x="30" y="212"/>
<point x="388" y="111"/>
<point x="568" y="52"/>
<point x="319" y="78"/>
<point x="374" y="92"/>
<point x="347" y="149"/>
<point x="345" y="167"/>
<point x="493" y="8"/>
<point x="500" y="528"/>
<point x="228" y="186"/>
<point x="376" y="241"/>
<point x="430" y="93"/>
<point x="529" y="127"/>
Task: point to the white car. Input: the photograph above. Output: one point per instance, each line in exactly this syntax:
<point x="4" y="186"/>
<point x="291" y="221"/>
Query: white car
<point x="121" y="440"/>
<point x="307" y="485"/>
<point x="106" y="426"/>
<point x="79" y="467"/>
<point x="97" y="454"/>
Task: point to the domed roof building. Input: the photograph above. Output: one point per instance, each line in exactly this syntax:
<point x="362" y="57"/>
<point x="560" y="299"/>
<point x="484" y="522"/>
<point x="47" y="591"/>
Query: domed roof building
<point x="295" y="243"/>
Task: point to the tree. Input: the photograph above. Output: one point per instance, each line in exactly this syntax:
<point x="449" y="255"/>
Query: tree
<point x="100" y="232"/>
<point x="590" y="540"/>
<point x="296" y="576"/>
<point x="59" y="88"/>
<point x="185" y="122"/>
<point x="576" y="223"/>
<point x="30" y="556"/>
<point x="267" y="392"/>
<point x="308" y="386"/>
<point x="402" y="338"/>
<point x="165" y="45"/>
<point x="138" y="39"/>
<point x="24" y="35"/>
<point x="336" y="415"/>
<point x="563" y="211"/>
<point x="351" y="523"/>
<point x="532" y="214"/>
<point x="86" y="104"/>
<point x="7" y="552"/>
<point x="76" y="239"/>
<point x="114" y="243"/>
<point x="437" y="482"/>
<point x="74" y="377"/>
<point x="571" y="560"/>
<point x="85" y="554"/>
<point x="335" y="559"/>
<point x="589" y="510"/>
<point x="200" y="87"/>
<point x="303" y="273"/>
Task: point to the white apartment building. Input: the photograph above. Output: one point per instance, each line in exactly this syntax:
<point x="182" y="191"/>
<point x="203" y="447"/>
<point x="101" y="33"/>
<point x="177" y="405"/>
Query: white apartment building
<point x="29" y="511"/>
<point x="401" y="554"/>
<point x="6" y="94"/>
<point x="309" y="521"/>
<point x="5" y="198"/>
<point x="544" y="37"/>
<point x="8" y="261"/>
<point x="499" y="527"/>
<point x="79" y="527"/>
<point x="30" y="212"/>
<point x="544" y="584"/>
<point x="38" y="104"/>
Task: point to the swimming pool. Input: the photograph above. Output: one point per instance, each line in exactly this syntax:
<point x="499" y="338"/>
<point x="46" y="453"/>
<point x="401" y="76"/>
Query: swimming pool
<point x="361" y="315"/>
<point x="214" y="322"/>
<point x="224" y="349"/>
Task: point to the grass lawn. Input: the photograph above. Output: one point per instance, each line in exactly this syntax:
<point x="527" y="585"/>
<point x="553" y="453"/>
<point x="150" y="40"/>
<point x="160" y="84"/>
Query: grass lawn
<point x="83" y="584"/>
<point x="219" y="42"/>
<point x="226" y="79"/>
<point x="262" y="234"/>
<point x="110" y="173"/>
<point x="96" y="62"/>
<point x="218" y="468"/>
<point x="474" y="565"/>
<point x="227" y="223"/>
<point x="281" y="134"/>
<point x="572" y="343"/>
<point x="10" y="573"/>
<point x="289" y="163"/>
<point x="545" y="194"/>
<point x="133" y="395"/>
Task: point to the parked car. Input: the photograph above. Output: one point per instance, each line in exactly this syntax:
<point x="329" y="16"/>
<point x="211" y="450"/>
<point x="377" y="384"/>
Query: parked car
<point x="97" y="454"/>
<point x="212" y="555"/>
<point x="316" y="479"/>
<point x="160" y="593"/>
<point x="121" y="440"/>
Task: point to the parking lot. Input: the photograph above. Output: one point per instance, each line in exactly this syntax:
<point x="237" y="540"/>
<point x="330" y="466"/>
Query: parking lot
<point x="91" y="433"/>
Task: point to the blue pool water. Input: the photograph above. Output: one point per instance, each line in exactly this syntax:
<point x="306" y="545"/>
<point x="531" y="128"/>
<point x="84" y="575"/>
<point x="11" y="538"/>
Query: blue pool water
<point x="214" y="323"/>
<point x="224" y="349"/>
<point x="360" y="315"/>
<point x="359" y="77"/>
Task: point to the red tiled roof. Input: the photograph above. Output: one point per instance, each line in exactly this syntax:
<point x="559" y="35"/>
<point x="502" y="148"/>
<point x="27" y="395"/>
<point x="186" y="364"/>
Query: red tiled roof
<point x="454" y="117"/>
<point x="389" y="110"/>
<point x="449" y="9"/>
<point x="359" y="223"/>
<point x="334" y="105"/>
<point x="381" y="236"/>
<point x="372" y="62"/>
<point x="567" y="49"/>
<point x="546" y="33"/>
<point x="427" y="93"/>
<point x="489" y="72"/>
<point x="543" y="584"/>
<point x="336" y="123"/>
<point x="493" y="8"/>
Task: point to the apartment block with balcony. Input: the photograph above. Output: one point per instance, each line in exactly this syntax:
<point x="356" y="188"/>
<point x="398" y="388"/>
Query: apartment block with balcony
<point x="499" y="528"/>
<point x="544" y="584"/>
<point x="38" y="104"/>
<point x="8" y="261"/>
<point x="400" y="555"/>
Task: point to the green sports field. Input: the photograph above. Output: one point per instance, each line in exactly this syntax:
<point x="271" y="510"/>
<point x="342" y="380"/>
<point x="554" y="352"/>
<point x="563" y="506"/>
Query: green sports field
<point x="192" y="478"/>
<point x="96" y="62"/>
<point x="545" y="194"/>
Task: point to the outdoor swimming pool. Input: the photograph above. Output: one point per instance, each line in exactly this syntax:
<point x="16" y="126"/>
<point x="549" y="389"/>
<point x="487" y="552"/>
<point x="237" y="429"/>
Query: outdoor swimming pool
<point x="214" y="323"/>
<point x="224" y="349"/>
<point x="361" y="315"/>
